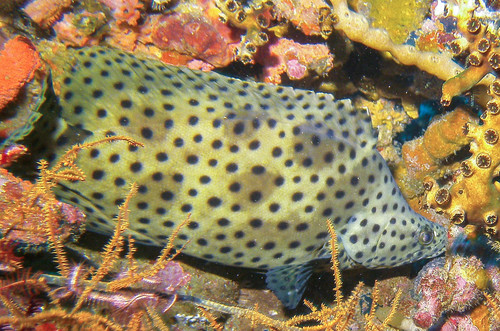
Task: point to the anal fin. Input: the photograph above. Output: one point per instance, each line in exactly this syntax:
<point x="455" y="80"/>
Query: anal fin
<point x="289" y="282"/>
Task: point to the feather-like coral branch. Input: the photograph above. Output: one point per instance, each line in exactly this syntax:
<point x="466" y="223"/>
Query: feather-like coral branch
<point x="112" y="249"/>
<point x="160" y="263"/>
<point x="335" y="262"/>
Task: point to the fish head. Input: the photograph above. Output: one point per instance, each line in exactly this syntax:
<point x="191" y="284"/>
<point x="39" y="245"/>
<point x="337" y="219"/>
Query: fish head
<point x="392" y="239"/>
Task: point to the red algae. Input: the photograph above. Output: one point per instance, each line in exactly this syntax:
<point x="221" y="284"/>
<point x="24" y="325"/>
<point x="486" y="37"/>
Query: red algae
<point x="18" y="62"/>
<point x="192" y="36"/>
<point x="452" y="285"/>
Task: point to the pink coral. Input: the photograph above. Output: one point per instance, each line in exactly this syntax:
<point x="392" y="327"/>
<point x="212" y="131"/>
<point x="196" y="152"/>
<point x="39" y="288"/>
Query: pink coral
<point x="124" y="11"/>
<point x="295" y="59"/>
<point x="459" y="322"/>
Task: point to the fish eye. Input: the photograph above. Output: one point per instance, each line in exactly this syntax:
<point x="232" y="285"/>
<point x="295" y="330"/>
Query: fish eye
<point x="426" y="236"/>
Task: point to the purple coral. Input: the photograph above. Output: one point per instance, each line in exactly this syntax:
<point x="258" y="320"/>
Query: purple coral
<point x="157" y="291"/>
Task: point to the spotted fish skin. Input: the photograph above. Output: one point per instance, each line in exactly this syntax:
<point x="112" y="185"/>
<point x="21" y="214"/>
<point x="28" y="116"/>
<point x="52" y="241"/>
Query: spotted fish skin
<point x="259" y="167"/>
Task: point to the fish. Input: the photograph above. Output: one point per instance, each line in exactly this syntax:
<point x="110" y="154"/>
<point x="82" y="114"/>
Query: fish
<point x="259" y="167"/>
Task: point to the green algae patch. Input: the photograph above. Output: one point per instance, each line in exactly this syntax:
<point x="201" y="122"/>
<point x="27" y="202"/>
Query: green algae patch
<point x="398" y="17"/>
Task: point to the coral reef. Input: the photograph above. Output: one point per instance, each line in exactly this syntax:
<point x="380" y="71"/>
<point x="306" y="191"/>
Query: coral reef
<point x="313" y="18"/>
<point x="389" y="118"/>
<point x="9" y="155"/>
<point x="79" y="29"/>
<point x="398" y="18"/>
<point x="425" y="156"/>
<point x="124" y="11"/>
<point x="46" y="12"/>
<point x="193" y="36"/>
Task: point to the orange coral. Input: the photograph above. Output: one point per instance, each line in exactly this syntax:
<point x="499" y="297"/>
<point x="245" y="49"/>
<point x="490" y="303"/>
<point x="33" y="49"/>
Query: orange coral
<point x="425" y="156"/>
<point x="473" y="195"/>
<point x="18" y="62"/>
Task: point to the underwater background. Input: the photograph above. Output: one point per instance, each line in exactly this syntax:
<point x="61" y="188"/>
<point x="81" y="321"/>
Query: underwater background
<point x="249" y="165"/>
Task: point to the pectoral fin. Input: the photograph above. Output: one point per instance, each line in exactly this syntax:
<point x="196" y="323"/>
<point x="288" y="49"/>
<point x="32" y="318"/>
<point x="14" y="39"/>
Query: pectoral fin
<point x="289" y="282"/>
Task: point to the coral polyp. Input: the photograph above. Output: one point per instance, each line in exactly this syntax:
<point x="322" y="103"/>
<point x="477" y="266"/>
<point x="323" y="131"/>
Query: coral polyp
<point x="254" y="17"/>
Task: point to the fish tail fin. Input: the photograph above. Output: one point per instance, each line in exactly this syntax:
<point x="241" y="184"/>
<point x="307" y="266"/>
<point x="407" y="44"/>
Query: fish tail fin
<point x="289" y="282"/>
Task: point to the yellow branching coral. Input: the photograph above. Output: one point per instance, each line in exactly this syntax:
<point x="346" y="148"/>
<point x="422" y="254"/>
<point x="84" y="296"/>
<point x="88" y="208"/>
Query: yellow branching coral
<point x="34" y="215"/>
<point x="64" y="169"/>
<point x="160" y="263"/>
<point x="357" y="28"/>
<point x="482" y="44"/>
